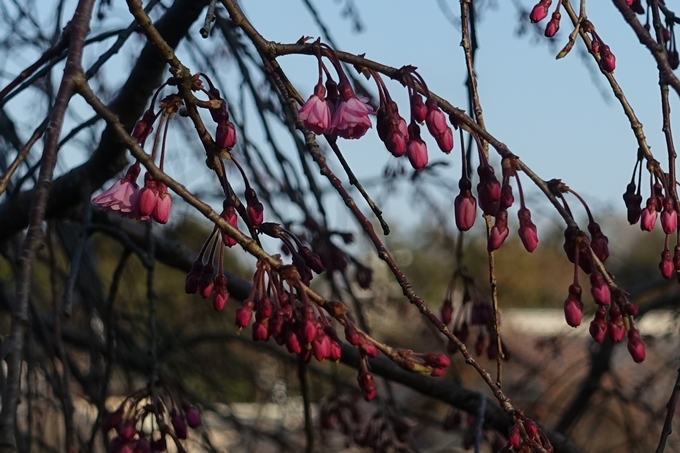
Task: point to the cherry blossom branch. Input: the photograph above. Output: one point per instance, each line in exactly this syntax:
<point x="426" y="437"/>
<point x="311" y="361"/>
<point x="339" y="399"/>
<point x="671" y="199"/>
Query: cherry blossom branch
<point x="72" y="70"/>
<point x="335" y="309"/>
<point x="268" y="55"/>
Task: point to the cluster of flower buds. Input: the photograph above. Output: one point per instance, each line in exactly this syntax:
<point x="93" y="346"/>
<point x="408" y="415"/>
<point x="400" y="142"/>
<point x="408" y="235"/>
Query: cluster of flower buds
<point x="474" y="312"/>
<point x="540" y="12"/>
<point x="495" y="198"/>
<point x="335" y="109"/>
<point x="284" y="312"/>
<point x="162" y="410"/>
<point x="400" y="138"/>
<point x="660" y="200"/>
<point x="153" y="201"/>
<point x="615" y="314"/>
<point x="606" y="57"/>
<point x="525" y="440"/>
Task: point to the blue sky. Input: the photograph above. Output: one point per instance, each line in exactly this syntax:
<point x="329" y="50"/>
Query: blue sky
<point x="548" y="112"/>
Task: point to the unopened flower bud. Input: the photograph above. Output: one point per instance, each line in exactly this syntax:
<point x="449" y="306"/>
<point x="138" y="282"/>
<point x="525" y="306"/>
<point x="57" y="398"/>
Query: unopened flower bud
<point x="148" y="196"/>
<point x="415" y="148"/>
<point x="293" y="343"/>
<point x="465" y="206"/>
<point x="507" y="199"/>
<point x="260" y="331"/>
<point x="540" y="11"/>
<point x="225" y="136"/>
<point x="666" y="265"/>
<point x="598" y="241"/>
<point x="527" y="230"/>
<point x="531" y="428"/>
<point x="255" y="208"/>
<point x="615" y="326"/>
<point x="488" y="189"/>
<point x="229" y="214"/>
<point x="220" y="295"/>
<point x="499" y="231"/>
<point x="635" y="346"/>
<point x="366" y="385"/>
<point x="669" y="217"/>
<point x="321" y="346"/>
<point x="649" y="214"/>
<point x="161" y="211"/>
<point x="607" y="58"/>
<point x="418" y="108"/>
<point x="633" y="201"/>
<point x="598" y="326"/>
<point x="144" y="127"/>
<point x="573" y="307"/>
<point x="244" y="314"/>
<point x="599" y="289"/>
<point x="553" y="25"/>
<point x="514" y="437"/>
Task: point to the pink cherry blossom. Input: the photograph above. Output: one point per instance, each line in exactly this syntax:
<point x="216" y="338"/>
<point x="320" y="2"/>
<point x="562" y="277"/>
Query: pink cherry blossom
<point x="123" y="195"/>
<point x="315" y="113"/>
<point x="350" y="119"/>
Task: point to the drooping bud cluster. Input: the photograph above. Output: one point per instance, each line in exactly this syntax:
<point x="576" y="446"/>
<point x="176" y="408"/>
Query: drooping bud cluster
<point x="206" y="279"/>
<point x="540" y="12"/>
<point x="661" y="200"/>
<point x="614" y="316"/>
<point x="153" y="201"/>
<point x="471" y="318"/>
<point x="335" y="110"/>
<point x="519" y="441"/>
<point x="137" y="420"/>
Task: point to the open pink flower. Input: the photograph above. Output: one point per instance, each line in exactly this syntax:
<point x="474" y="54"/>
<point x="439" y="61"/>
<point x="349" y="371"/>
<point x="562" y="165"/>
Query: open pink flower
<point x="123" y="195"/>
<point x="316" y="114"/>
<point x="350" y="119"/>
